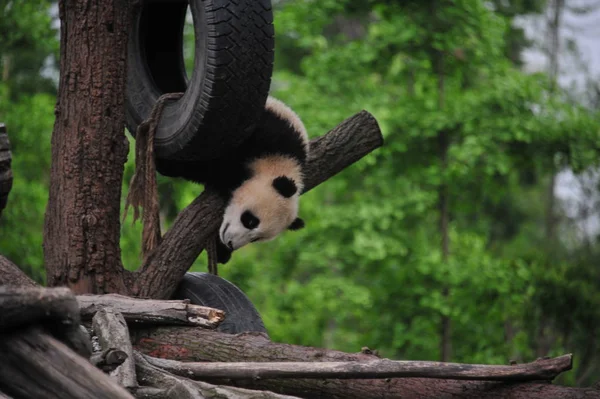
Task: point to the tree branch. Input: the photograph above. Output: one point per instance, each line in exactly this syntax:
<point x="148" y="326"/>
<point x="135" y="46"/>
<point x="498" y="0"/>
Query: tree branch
<point x="546" y="369"/>
<point x="174" y="312"/>
<point x="195" y="345"/>
<point x="158" y="276"/>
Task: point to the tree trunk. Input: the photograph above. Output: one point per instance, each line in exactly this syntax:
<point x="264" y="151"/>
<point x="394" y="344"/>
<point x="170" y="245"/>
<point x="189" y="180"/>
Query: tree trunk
<point x="443" y="203"/>
<point x="89" y="149"/>
<point x="194" y="344"/>
<point x="545" y="339"/>
<point x="6" y="177"/>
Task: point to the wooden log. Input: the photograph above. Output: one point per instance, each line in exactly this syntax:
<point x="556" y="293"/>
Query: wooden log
<point x="53" y="308"/>
<point x="195" y="345"/>
<point x="135" y="310"/>
<point x="111" y="330"/>
<point x="74" y="336"/>
<point x="11" y="275"/>
<point x="546" y="369"/>
<point x="195" y="225"/>
<point x="32" y="305"/>
<point x="35" y="365"/>
<point x="183" y="388"/>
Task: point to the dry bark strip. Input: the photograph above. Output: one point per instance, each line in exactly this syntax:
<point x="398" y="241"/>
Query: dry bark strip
<point x="35" y="365"/>
<point x="195" y="345"/>
<point x="172" y="386"/>
<point x="134" y="310"/>
<point x="546" y="369"/>
<point x="112" y="332"/>
<point x="195" y="225"/>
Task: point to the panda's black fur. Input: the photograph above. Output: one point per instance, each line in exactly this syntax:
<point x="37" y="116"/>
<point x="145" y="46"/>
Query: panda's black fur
<point x="272" y="136"/>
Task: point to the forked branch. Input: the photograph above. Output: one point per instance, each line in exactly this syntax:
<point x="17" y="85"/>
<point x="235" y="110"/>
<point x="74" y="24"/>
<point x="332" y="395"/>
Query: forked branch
<point x="329" y="154"/>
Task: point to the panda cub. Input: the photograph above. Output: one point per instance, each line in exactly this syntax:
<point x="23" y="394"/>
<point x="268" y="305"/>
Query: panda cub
<point x="261" y="180"/>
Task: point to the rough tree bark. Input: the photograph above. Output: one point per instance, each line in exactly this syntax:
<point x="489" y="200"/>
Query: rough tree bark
<point x="189" y="344"/>
<point x="89" y="149"/>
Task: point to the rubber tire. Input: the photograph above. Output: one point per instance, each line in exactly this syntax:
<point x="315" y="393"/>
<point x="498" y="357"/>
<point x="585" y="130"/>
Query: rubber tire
<point x="226" y="95"/>
<point x="213" y="291"/>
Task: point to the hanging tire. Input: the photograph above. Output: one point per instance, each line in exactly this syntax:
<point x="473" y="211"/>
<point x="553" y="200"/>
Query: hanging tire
<point x="213" y="291"/>
<point x="228" y="89"/>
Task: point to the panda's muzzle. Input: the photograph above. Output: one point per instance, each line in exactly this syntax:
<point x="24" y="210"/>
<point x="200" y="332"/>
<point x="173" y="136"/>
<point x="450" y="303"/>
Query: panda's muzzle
<point x="223" y="235"/>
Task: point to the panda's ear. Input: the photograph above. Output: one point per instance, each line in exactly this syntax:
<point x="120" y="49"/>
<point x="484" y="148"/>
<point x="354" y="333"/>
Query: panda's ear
<point x="285" y="186"/>
<point x="297" y="224"/>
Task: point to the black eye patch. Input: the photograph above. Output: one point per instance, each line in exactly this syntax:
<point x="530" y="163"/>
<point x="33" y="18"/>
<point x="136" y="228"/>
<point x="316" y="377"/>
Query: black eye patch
<point x="285" y="186"/>
<point x="249" y="220"/>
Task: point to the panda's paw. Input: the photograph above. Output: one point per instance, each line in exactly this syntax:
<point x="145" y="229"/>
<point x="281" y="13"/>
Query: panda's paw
<point x="223" y="253"/>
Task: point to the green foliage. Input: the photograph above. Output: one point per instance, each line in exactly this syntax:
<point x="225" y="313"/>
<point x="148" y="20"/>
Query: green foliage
<point x="373" y="230"/>
<point x="28" y="46"/>
<point x="29" y="123"/>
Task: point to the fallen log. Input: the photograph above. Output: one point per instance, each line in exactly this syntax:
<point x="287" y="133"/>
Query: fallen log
<point x="160" y="273"/>
<point x="546" y="369"/>
<point x="111" y="330"/>
<point x="54" y="309"/>
<point x="171" y="386"/>
<point x="35" y="365"/>
<point x="134" y="310"/>
<point x="195" y="345"/>
<point x="32" y="305"/>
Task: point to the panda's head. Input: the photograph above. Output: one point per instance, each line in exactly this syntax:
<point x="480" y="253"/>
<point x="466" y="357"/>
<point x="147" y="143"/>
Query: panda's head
<point x="263" y="206"/>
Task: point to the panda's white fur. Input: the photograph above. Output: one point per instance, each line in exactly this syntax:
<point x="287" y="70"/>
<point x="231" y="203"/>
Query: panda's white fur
<point x="258" y="194"/>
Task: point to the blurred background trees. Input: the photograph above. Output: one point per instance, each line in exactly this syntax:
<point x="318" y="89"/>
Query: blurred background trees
<point x="471" y="236"/>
